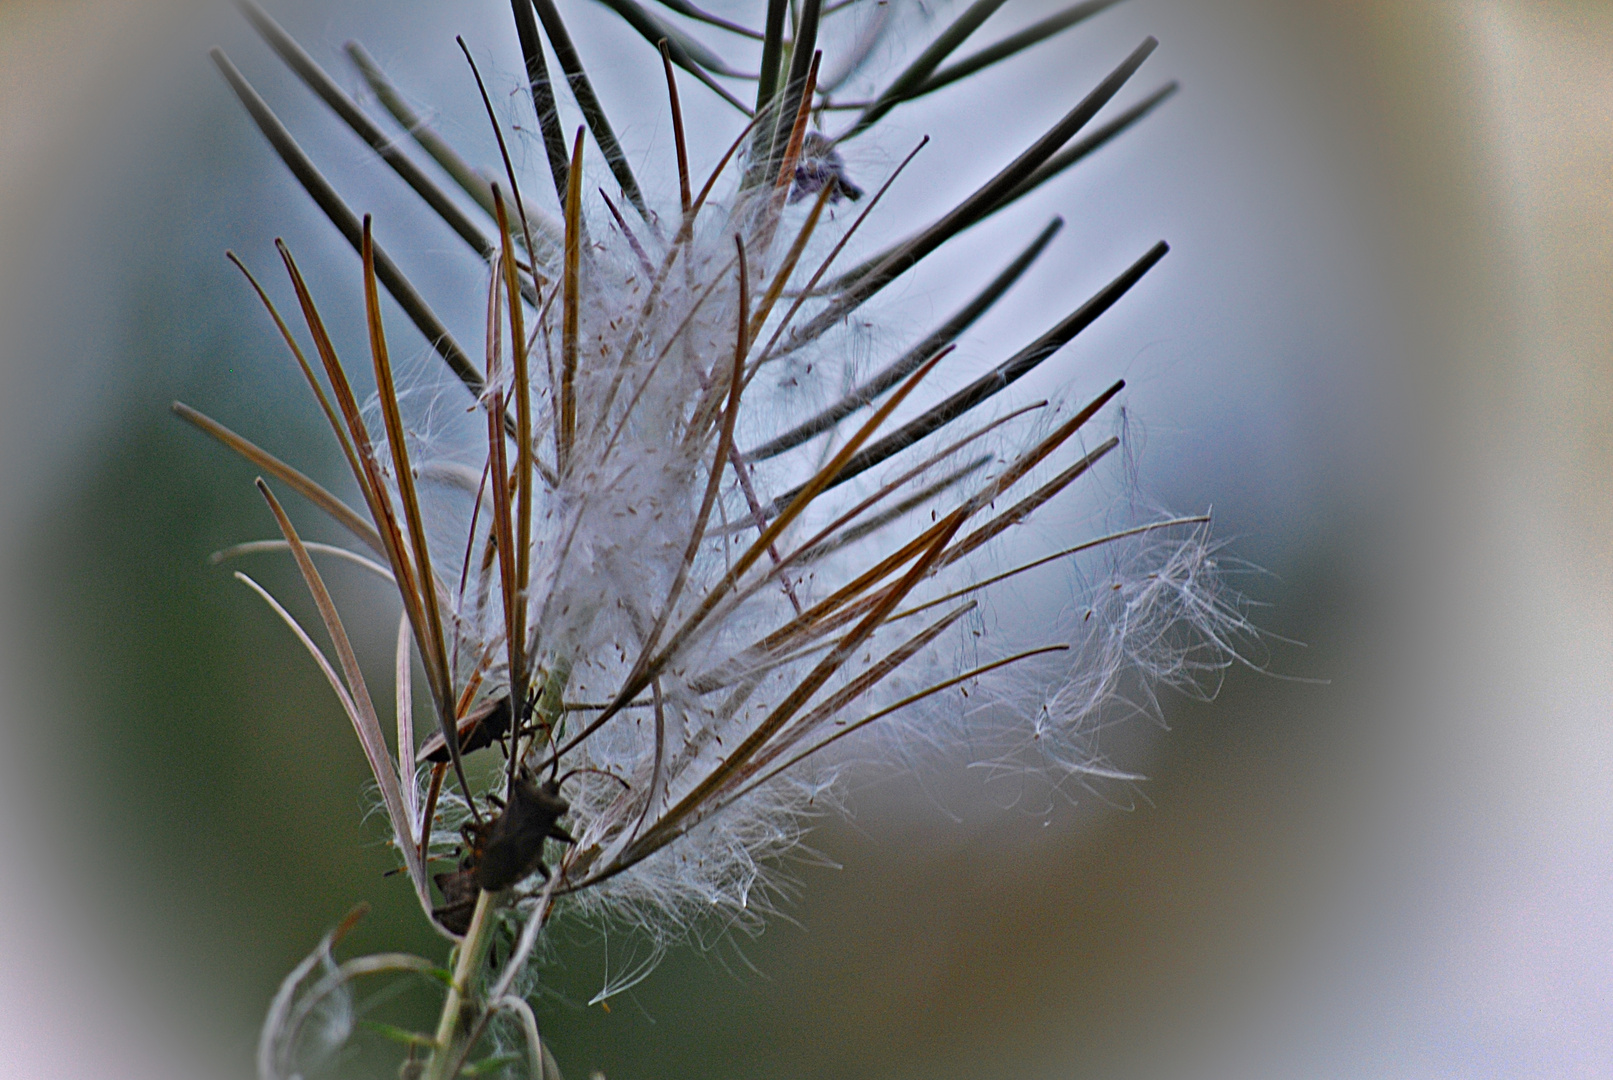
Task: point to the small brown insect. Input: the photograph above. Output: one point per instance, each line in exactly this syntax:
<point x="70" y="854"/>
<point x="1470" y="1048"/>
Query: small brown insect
<point x="459" y="892"/>
<point x="515" y="840"/>
<point x="821" y="166"/>
<point x="482" y="726"/>
<point x="499" y="854"/>
<point x="459" y="886"/>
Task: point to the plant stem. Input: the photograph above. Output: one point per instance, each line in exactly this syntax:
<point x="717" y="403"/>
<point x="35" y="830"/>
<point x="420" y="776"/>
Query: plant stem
<point x="472" y="951"/>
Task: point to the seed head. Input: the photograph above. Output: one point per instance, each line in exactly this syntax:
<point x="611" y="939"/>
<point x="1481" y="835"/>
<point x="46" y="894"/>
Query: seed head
<point x="632" y="562"/>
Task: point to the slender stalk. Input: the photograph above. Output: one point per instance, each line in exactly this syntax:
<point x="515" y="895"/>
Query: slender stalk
<point x="803" y="54"/>
<point x="903" y="86"/>
<point x="472" y="951"/>
<point x="767" y="88"/>
<point x="347" y="109"/>
<point x="340" y="215"/>
<point x="469" y="180"/>
<point x="677" y="129"/>
<point x="593" y="112"/>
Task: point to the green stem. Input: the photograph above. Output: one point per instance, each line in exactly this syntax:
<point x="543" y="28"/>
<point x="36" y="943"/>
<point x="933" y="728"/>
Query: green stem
<point x="445" y="1059"/>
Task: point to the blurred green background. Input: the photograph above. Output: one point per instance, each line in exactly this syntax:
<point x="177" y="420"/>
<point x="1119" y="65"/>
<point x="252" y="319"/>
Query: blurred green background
<point x="1379" y="349"/>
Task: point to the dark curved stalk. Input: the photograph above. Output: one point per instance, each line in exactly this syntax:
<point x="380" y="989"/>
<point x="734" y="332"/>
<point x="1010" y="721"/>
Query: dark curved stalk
<point x="543" y="103"/>
<point x="317" y="80"/>
<point x="767" y="90"/>
<point x="687" y="52"/>
<point x="998" y="379"/>
<point x="347" y="223"/>
<point x="683" y="7"/>
<point x="1076" y="151"/>
<point x="856" y="532"/>
<point x="914" y="75"/>
<point x="802" y="53"/>
<point x="856" y="290"/>
<point x="471" y="182"/>
<point x="592" y="111"/>
<point x="908" y="362"/>
<point x="1034" y="34"/>
<point x="1050" y="168"/>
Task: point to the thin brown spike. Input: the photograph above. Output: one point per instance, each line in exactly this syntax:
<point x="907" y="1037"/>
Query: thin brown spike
<point x="632" y="240"/>
<point x="739" y="756"/>
<point x="816" y="616"/>
<point x="428" y="632"/>
<point x="570" y="307"/>
<point x="847" y="594"/>
<point x="339" y="511"/>
<point x="802" y="552"/>
<point x="722" y="163"/>
<point x="350" y="920"/>
<point x="890" y="486"/>
<point x="644" y="668"/>
<point x="820" y="481"/>
<point x="911" y="699"/>
<point x="525" y="457"/>
<point x="787" y="267"/>
<point x="368" y="475"/>
<point x="792" y="153"/>
<point x="509" y="171"/>
<point x="789" y="157"/>
<point x="922" y="497"/>
<point x="503" y="529"/>
<point x="754" y="505"/>
<point x="302" y="362"/>
<point x="333" y="370"/>
<point x="823" y="267"/>
<point x="503" y="521"/>
<point x="637" y="855"/>
<point x="803" y="50"/>
<point x="1075" y="549"/>
<point x="433" y="793"/>
<point x="1029" y="504"/>
<point x="730" y="580"/>
<point x="516" y="600"/>
<point x="677" y="128"/>
<point x="393" y="420"/>
<point x="464" y="565"/>
<point x="853" y="690"/>
<point x="1039" y="453"/>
